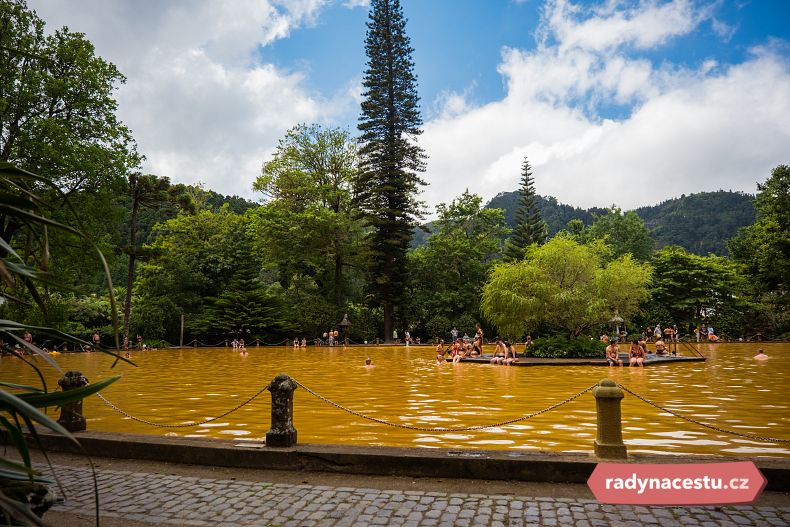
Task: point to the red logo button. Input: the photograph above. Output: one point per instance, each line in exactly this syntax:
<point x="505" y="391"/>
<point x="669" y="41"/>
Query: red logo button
<point x="732" y="483"/>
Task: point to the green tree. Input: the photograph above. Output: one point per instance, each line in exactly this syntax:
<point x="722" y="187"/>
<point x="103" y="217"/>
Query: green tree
<point x="764" y="249"/>
<point x="449" y="270"/>
<point x="57" y="118"/>
<point x="192" y="257"/>
<point x="146" y="192"/>
<point x="308" y="227"/>
<point x="692" y="288"/>
<point x="626" y="233"/>
<point x="57" y="111"/>
<point x="243" y="306"/>
<point x="530" y="227"/>
<point x="563" y="285"/>
<point x="386" y="189"/>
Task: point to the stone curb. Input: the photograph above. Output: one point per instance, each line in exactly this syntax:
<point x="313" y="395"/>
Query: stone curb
<point x="385" y="461"/>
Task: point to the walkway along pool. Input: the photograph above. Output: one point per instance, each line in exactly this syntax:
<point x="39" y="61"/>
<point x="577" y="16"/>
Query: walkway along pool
<point x="730" y="390"/>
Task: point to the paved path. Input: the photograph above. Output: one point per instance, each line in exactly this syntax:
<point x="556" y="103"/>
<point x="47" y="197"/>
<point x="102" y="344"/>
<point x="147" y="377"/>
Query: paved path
<point x="180" y="500"/>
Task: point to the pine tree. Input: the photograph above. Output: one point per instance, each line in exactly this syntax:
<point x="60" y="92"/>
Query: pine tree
<point x="244" y="306"/>
<point x="387" y="187"/>
<point x="530" y="227"/>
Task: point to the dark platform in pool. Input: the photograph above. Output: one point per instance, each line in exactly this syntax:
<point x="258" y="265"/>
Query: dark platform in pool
<point x="651" y="360"/>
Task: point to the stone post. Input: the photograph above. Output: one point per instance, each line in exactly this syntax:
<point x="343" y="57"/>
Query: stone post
<point x="282" y="432"/>
<point x="71" y="417"/>
<point x="609" y="443"/>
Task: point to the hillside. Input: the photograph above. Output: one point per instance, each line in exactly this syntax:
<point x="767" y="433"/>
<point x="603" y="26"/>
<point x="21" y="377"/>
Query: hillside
<point x="701" y="223"/>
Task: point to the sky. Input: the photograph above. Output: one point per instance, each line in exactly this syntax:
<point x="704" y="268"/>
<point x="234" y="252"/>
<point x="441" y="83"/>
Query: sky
<point x="622" y="102"/>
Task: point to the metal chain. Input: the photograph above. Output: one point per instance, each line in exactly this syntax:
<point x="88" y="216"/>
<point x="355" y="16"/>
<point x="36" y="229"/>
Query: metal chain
<point x="706" y="425"/>
<point x="184" y="425"/>
<point x="459" y="429"/>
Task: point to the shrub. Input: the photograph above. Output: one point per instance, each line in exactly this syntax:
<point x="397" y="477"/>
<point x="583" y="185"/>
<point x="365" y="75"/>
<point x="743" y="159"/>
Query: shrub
<point x="559" y="347"/>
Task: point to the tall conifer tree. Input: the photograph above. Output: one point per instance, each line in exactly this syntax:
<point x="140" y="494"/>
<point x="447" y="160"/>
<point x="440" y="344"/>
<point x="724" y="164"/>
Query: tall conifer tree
<point x="530" y="227"/>
<point x="388" y="183"/>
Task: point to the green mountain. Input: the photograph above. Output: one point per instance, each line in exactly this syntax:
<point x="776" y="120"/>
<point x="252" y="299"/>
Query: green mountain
<point x="701" y="223"/>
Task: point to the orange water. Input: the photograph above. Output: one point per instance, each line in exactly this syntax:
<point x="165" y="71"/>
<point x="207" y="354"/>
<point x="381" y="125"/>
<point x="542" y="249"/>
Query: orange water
<point x="406" y="386"/>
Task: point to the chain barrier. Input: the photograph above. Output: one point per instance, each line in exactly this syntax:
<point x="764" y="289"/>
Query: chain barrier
<point x="428" y="429"/>
<point x="183" y="425"/>
<point x="703" y="424"/>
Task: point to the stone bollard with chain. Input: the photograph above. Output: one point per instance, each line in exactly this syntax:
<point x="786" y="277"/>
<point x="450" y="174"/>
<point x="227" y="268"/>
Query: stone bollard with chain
<point x="71" y="417"/>
<point x="609" y="442"/>
<point x="282" y="432"/>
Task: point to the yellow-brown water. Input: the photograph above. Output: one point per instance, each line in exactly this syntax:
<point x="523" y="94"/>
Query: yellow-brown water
<point x="731" y="390"/>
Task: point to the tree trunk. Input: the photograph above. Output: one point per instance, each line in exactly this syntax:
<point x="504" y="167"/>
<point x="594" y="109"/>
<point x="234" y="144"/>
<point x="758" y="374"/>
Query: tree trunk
<point x="388" y="322"/>
<point x="127" y="304"/>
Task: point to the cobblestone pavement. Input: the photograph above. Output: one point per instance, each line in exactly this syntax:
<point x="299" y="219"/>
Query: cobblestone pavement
<point x="179" y="500"/>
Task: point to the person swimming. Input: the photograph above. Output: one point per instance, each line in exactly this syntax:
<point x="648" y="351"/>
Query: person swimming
<point x="760" y="355"/>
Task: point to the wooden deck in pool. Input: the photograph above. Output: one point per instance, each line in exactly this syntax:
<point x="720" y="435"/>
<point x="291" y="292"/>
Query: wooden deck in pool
<point x="651" y="360"/>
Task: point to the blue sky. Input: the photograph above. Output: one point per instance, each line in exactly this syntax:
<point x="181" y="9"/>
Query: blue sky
<point x="613" y="101"/>
<point x="458" y="43"/>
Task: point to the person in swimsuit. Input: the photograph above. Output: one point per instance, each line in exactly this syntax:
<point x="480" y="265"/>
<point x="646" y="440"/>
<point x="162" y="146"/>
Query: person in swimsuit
<point x="613" y="354"/>
<point x="510" y="354"/>
<point x="499" y="352"/>
<point x="296" y="342"/>
<point x="304" y="342"/>
<point x="761" y="355"/>
<point x="643" y="345"/>
<point x="440" y="352"/>
<point x="479" y="338"/>
<point x="661" y="348"/>
<point x="636" y="355"/>
<point x="456" y="351"/>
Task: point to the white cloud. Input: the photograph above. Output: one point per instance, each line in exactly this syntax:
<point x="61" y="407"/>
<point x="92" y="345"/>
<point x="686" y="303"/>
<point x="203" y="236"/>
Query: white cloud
<point x="687" y="129"/>
<point x="723" y="30"/>
<point x="200" y="104"/>
<point x="611" y="25"/>
<point x="351" y="4"/>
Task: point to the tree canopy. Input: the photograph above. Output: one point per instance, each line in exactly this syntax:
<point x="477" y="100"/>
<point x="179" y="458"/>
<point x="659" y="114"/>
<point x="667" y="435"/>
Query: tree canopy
<point x="57" y="110"/>
<point x="764" y="249"/>
<point x="448" y="272"/>
<point x="563" y="285"/>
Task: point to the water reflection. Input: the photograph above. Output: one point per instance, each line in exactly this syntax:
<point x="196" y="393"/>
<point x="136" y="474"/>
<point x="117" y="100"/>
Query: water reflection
<point x="407" y="387"/>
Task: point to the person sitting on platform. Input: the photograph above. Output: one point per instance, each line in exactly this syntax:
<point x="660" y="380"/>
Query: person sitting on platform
<point x="636" y="355"/>
<point x="467" y="350"/>
<point x="477" y="347"/>
<point x="499" y="352"/>
<point x="613" y="354"/>
<point x="510" y="354"/>
<point x="457" y="351"/>
<point x="661" y="348"/>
